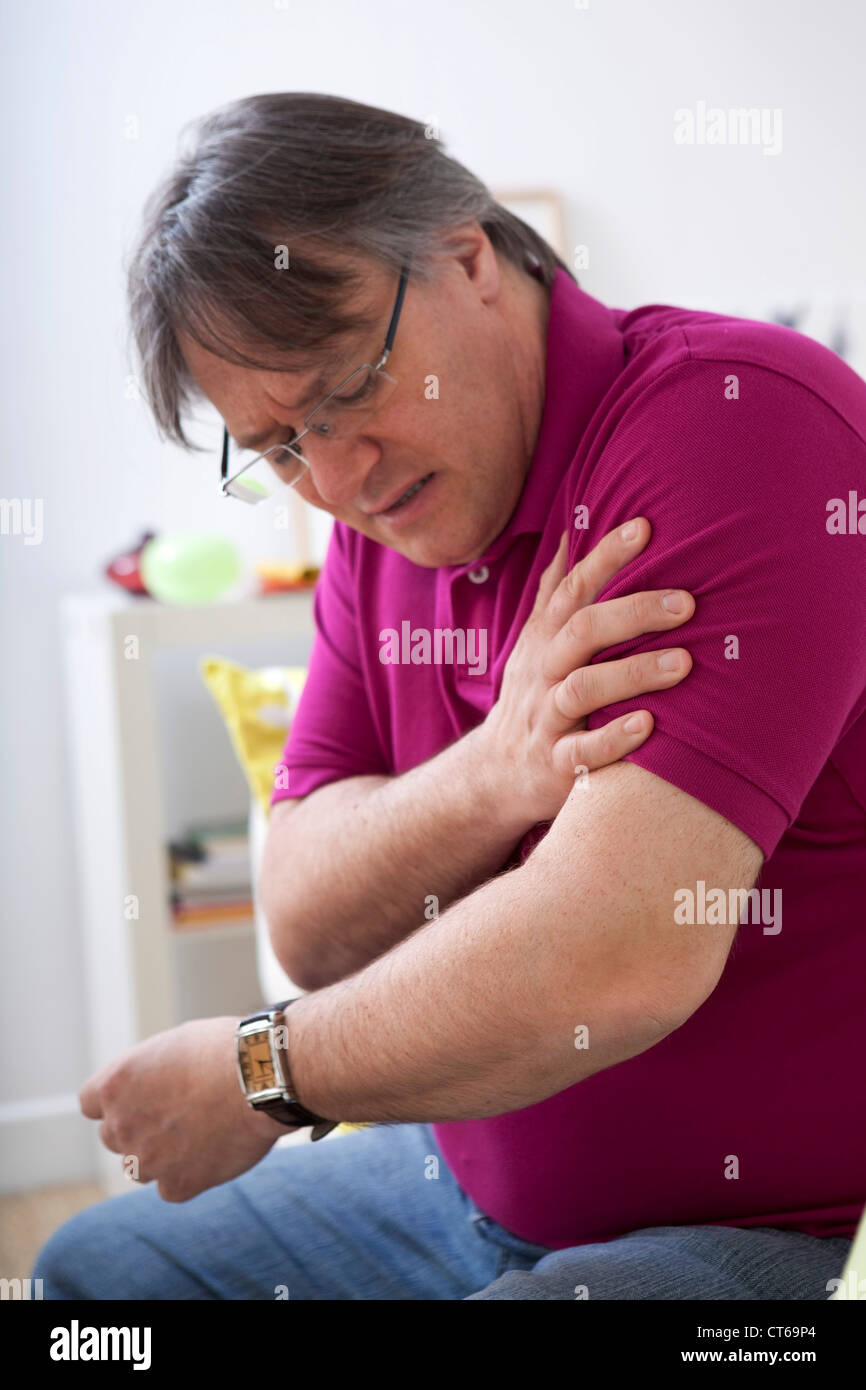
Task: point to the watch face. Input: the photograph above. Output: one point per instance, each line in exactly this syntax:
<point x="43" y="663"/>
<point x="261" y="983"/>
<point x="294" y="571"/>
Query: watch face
<point x="256" y="1063"/>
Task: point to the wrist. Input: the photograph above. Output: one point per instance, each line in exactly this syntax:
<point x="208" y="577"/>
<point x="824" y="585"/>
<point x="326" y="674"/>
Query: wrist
<point x="258" y="1122"/>
<point x="492" y="783"/>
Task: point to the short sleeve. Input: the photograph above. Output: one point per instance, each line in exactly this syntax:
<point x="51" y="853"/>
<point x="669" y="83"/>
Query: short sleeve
<point x="333" y="734"/>
<point x="737" y="489"/>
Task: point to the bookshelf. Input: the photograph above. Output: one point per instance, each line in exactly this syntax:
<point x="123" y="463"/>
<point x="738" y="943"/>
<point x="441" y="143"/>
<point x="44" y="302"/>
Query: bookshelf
<point x="149" y="752"/>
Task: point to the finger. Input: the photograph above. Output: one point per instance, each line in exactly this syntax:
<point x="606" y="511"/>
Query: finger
<point x="592" y="688"/>
<point x="553" y="575"/>
<point x="591" y="749"/>
<point x="89" y="1099"/>
<point x="108" y="1137"/>
<point x="585" y="580"/>
<point x="603" y="625"/>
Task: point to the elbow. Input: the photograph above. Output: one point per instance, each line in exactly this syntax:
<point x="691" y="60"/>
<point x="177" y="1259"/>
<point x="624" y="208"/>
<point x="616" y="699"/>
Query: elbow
<point x="291" y="944"/>
<point x="279" y="908"/>
<point x="283" y="928"/>
<point x="309" y="979"/>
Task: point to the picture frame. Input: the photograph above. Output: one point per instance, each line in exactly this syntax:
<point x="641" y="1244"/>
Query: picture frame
<point x="542" y="209"/>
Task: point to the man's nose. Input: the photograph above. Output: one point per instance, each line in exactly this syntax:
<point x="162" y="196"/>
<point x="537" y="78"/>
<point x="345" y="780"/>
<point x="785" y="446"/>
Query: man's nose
<point x="338" y="467"/>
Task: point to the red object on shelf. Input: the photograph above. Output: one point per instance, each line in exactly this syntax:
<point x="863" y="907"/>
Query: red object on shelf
<point x="125" y="569"/>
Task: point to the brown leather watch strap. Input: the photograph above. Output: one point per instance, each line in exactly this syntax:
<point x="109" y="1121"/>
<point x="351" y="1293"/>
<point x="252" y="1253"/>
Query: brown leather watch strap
<point x="297" y="1116"/>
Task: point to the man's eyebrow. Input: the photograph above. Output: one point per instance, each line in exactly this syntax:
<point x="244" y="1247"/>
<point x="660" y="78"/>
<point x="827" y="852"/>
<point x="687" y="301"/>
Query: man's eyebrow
<point x="317" y="391"/>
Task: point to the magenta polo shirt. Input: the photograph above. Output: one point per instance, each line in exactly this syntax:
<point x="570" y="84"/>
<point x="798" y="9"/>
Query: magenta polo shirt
<point x="733" y="438"/>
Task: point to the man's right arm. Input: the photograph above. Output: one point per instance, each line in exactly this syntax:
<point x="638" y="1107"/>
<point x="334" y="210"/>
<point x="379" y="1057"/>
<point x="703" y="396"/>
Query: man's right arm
<point x="349" y="870"/>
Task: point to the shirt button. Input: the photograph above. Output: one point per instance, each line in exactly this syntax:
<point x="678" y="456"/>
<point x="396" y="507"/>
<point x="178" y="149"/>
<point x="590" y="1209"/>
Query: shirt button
<point x="478" y="576"/>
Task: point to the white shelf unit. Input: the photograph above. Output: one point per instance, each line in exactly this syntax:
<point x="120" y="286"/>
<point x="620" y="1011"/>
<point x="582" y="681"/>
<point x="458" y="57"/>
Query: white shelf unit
<point x="113" y="644"/>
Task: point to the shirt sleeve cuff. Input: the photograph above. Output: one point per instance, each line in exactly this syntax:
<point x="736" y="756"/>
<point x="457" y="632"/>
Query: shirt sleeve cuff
<point x="750" y="808"/>
<point x="304" y="780"/>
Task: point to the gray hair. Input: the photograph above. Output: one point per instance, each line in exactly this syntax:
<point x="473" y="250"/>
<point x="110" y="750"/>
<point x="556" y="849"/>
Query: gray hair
<point x="325" y="177"/>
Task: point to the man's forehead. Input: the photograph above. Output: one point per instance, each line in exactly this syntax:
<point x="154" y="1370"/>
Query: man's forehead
<point x="339" y="351"/>
<point x="301" y="376"/>
<point x="294" y="388"/>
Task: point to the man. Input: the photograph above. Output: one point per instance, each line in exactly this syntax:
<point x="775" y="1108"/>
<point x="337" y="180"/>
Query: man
<point x="545" y="948"/>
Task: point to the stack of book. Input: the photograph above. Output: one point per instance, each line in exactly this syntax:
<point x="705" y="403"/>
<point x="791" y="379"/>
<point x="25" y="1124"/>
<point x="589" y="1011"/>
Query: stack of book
<point x="209" y="871"/>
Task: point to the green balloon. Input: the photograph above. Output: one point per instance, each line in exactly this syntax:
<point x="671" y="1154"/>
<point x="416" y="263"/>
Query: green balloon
<point x="188" y="568"/>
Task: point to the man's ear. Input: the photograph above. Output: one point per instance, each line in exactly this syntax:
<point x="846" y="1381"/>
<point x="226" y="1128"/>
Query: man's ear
<point x="469" y="246"/>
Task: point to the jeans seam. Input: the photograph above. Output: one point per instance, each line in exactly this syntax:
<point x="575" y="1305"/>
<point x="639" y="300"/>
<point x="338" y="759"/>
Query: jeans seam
<point x="513" y="1250"/>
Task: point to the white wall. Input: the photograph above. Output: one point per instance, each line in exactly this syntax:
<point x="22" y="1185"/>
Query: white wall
<point x="547" y="94"/>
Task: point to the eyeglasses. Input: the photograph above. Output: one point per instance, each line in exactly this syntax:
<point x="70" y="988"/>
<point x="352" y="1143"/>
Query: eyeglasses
<point x="357" y="397"/>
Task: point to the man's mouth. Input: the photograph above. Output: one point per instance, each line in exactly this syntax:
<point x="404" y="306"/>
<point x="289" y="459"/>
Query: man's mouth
<point x="405" y="497"/>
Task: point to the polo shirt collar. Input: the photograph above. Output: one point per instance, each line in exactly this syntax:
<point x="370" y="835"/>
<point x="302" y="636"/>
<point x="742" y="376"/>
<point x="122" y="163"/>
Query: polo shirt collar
<point x="585" y="353"/>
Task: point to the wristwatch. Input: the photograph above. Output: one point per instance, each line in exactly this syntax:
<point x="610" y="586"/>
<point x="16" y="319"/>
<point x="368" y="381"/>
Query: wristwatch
<point x="263" y="1070"/>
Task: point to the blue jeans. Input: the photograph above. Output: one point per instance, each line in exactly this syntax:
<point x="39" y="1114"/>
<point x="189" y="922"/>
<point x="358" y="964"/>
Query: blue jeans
<point x="376" y="1214"/>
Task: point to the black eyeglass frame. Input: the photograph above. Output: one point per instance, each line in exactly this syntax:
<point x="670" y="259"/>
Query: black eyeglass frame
<point x="369" y="366"/>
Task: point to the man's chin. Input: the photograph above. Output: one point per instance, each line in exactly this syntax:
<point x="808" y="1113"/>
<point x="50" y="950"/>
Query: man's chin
<point x="435" y="552"/>
<point x="432" y="543"/>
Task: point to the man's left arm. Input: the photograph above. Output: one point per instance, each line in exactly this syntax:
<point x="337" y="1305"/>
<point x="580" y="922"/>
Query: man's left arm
<point x="475" y="1014"/>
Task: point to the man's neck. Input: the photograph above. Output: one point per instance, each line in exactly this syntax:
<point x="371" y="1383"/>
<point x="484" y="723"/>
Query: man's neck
<point x="529" y="314"/>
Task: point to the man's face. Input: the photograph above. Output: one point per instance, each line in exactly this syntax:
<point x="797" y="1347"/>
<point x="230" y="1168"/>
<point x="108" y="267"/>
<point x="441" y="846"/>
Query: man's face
<point x="467" y="438"/>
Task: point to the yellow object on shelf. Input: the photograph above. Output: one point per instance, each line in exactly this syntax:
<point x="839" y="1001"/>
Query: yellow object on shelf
<point x="258" y="707"/>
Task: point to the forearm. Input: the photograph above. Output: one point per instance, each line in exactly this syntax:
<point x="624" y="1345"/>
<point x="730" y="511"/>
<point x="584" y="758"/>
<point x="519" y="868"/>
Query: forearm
<point x="355" y="868"/>
<point x="474" y="1015"/>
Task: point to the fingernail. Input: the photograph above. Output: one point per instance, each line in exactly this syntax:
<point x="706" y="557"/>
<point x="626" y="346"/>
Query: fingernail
<point x="633" y="724"/>
<point x="669" y="661"/>
<point x="629" y="531"/>
<point x="674" y="601"/>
